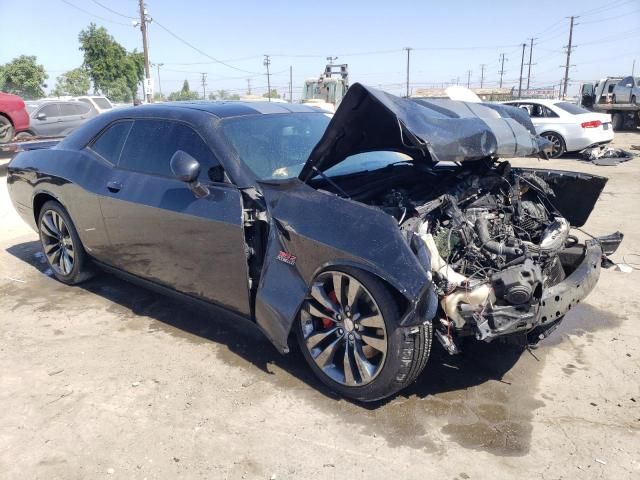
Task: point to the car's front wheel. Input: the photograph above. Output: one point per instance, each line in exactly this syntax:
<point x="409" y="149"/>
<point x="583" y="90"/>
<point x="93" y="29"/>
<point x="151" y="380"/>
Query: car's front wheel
<point x="61" y="245"/>
<point x="348" y="333"/>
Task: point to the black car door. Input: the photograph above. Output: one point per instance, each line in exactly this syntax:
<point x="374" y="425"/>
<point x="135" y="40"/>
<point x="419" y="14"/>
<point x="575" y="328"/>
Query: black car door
<point x="160" y="231"/>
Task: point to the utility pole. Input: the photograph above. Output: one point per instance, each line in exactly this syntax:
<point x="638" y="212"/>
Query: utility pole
<point x="566" y="68"/>
<point x="267" y="63"/>
<point x="158" y="65"/>
<point x="290" y="83"/>
<point x="501" y="69"/>
<point x="524" y="45"/>
<point x="633" y="67"/>
<point x="529" y="64"/>
<point x="482" y="74"/>
<point x="408" y="49"/>
<point x="145" y="48"/>
<point x="203" y="81"/>
<point x="469" y="72"/>
<point x="248" y="86"/>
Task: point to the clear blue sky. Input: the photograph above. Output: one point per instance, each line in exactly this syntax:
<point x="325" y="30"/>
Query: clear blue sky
<point x="449" y="38"/>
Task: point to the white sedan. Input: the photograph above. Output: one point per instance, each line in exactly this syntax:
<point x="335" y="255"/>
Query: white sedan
<point x="569" y="127"/>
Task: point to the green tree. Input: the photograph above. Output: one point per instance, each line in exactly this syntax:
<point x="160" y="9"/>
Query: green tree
<point x="184" y="94"/>
<point x="111" y="68"/>
<point x="74" y="82"/>
<point x="159" y="97"/>
<point x="222" y="94"/>
<point x="23" y="76"/>
<point x="212" y="96"/>
<point x="274" y="94"/>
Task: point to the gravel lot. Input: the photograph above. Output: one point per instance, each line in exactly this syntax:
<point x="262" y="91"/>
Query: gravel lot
<point x="110" y="380"/>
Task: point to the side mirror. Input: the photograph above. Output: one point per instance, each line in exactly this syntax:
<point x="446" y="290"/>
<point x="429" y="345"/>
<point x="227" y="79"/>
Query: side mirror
<point x="186" y="169"/>
<point x="41" y="116"/>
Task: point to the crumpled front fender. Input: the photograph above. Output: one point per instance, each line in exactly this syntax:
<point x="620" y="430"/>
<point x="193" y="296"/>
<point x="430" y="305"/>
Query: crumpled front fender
<point x="317" y="231"/>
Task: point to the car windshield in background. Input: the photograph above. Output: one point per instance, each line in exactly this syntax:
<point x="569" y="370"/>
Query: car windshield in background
<point x="275" y="146"/>
<point x="571" y="108"/>
<point x="368" y="161"/>
<point x="102" y="102"/>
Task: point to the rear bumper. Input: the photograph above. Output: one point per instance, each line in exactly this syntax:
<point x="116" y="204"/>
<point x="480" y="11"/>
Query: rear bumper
<point x="501" y="320"/>
<point x="589" y="138"/>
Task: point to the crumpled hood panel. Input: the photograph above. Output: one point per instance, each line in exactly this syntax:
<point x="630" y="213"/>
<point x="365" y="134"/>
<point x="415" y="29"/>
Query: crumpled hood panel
<point x="430" y="130"/>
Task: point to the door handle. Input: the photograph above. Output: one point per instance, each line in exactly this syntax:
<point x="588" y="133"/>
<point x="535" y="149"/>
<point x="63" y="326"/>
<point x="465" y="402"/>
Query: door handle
<point x="114" y="187"/>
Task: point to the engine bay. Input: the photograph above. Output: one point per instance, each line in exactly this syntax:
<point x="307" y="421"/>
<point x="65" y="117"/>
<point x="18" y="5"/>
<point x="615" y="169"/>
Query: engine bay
<point x="493" y="241"/>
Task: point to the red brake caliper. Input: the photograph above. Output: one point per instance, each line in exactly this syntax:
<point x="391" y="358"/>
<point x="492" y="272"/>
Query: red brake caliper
<point x="327" y="322"/>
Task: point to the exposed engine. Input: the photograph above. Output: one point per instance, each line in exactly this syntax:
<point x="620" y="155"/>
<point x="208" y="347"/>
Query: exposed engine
<point x="493" y="240"/>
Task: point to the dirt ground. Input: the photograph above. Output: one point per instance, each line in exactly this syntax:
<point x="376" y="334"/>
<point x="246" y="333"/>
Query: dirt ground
<point x="110" y="380"/>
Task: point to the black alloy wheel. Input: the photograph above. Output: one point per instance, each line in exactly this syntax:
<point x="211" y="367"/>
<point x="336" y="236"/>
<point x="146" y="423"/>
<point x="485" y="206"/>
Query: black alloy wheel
<point x="558" y="145"/>
<point x="61" y="245"/>
<point x="348" y="332"/>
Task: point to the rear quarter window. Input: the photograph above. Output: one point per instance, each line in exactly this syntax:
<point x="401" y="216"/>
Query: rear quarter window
<point x="110" y="142"/>
<point x="571" y="108"/>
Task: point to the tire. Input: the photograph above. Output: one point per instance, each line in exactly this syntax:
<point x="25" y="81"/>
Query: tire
<point x="407" y="348"/>
<point x="6" y="130"/>
<point x="633" y="99"/>
<point x="559" y="147"/>
<point x="61" y="245"/>
<point x="617" y="122"/>
<point x="23" y="136"/>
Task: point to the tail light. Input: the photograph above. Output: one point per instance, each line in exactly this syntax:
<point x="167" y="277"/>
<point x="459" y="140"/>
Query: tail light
<point x="593" y="124"/>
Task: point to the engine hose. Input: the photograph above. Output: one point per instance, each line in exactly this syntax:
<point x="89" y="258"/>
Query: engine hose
<point x="493" y="246"/>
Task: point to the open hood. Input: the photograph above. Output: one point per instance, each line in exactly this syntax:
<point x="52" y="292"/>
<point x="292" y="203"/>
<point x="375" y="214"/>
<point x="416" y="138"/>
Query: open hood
<point x="428" y="130"/>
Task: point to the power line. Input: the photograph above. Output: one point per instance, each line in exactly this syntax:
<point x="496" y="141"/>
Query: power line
<point x="215" y="60"/>
<point x="113" y="11"/>
<point x="93" y="14"/>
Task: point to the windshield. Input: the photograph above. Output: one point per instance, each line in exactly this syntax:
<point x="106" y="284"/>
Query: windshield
<point x="368" y="161"/>
<point x="571" y="108"/>
<point x="275" y="146"/>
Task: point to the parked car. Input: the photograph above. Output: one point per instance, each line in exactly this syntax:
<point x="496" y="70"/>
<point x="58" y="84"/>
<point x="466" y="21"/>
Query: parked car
<point x="364" y="235"/>
<point x="626" y="90"/>
<point x="13" y="117"/>
<point x="569" y="127"/>
<point x="99" y="103"/>
<point x="52" y="118"/>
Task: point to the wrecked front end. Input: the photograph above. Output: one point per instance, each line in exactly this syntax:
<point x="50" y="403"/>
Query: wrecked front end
<point x="500" y="245"/>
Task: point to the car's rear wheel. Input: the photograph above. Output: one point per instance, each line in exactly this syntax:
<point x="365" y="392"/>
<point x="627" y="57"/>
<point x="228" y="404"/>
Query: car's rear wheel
<point x="6" y="130"/>
<point x="617" y="122"/>
<point x="557" y="142"/>
<point x="348" y="333"/>
<point x="61" y="245"/>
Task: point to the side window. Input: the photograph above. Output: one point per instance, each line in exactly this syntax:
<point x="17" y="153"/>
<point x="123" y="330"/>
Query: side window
<point x="85" y="100"/>
<point x="110" y="142"/>
<point x="50" y="110"/>
<point x="152" y="143"/>
<point x="548" y="113"/>
<point x="626" y="82"/>
<point x="81" y="108"/>
<point x="67" y="110"/>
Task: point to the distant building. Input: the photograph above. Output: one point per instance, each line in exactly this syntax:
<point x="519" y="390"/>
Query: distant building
<point x="486" y="94"/>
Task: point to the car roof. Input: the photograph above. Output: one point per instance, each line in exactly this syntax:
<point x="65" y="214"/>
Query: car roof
<point x="541" y="101"/>
<point x="224" y="109"/>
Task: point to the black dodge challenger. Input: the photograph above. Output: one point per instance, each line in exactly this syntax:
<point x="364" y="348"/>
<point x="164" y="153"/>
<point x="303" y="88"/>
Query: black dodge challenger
<point x="365" y="234"/>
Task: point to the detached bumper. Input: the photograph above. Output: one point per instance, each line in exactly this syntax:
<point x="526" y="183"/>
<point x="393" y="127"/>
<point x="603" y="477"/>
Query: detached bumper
<point x="556" y="301"/>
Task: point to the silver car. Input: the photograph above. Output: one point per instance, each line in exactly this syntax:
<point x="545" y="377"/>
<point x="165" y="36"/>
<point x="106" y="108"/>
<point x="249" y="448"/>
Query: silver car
<point x="627" y="90"/>
<point x="57" y="118"/>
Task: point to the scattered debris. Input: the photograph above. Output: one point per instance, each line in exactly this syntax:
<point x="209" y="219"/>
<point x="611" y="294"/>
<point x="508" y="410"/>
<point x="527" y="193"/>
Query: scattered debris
<point x="16" y="280"/>
<point x="111" y="471"/>
<point x="606" y="156"/>
<point x="601" y="461"/>
<point x="55" y="372"/>
<point x="176" y="459"/>
<point x="593" y="404"/>
<point x="635" y="147"/>
<point x="135" y="384"/>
